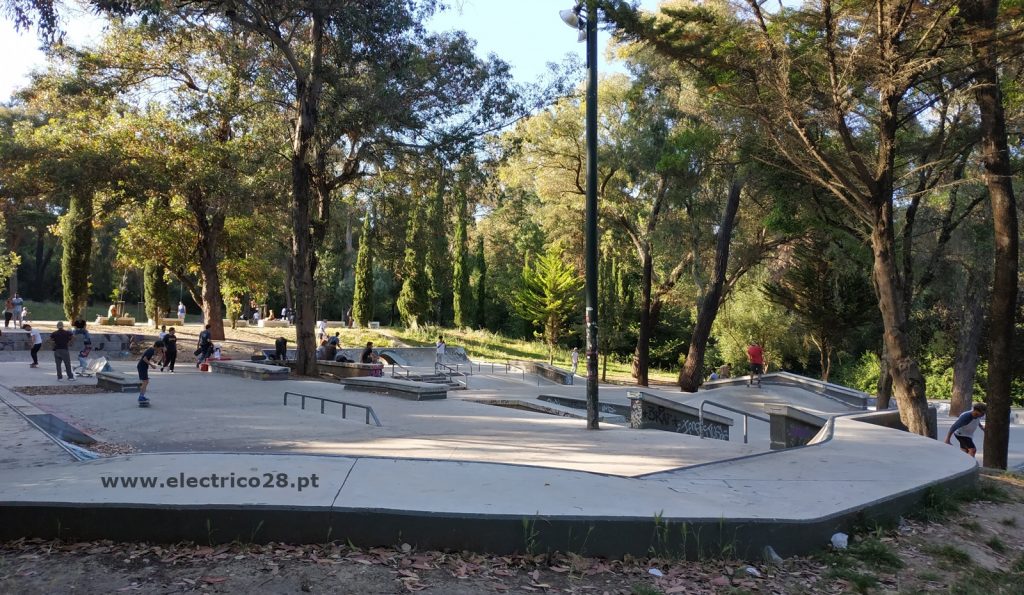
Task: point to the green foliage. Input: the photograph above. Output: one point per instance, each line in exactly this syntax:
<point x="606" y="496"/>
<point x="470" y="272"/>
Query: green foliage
<point x="76" y="233"/>
<point x="363" y="298"/>
<point x="156" y="292"/>
<point x="460" y="268"/>
<point x="549" y="294"/>
<point x="749" y="316"/>
<point x="480" y="312"/>
<point x="414" y="300"/>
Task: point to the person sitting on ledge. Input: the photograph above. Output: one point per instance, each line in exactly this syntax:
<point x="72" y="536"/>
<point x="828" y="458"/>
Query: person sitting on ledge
<point x="367" y="356"/>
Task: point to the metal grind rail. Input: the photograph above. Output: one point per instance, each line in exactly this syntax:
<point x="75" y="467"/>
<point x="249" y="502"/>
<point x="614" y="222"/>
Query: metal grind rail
<point x="745" y="415"/>
<point x="344" y="406"/>
<point x="450" y="373"/>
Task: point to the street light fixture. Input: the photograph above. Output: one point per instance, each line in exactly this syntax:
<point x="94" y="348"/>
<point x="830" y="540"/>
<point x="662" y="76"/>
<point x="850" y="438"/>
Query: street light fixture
<point x="587" y="26"/>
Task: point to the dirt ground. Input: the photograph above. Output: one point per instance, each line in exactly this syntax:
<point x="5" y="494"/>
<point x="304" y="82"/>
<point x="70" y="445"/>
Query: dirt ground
<point x="973" y="543"/>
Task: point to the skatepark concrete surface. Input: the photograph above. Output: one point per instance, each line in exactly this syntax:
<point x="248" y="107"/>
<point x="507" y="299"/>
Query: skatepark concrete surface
<point x="450" y="474"/>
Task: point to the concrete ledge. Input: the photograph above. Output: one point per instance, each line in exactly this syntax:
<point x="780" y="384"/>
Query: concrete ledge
<point x="406" y="389"/>
<point x="550" y="408"/>
<point x="118" y="381"/>
<point x="544" y="370"/>
<point x="351" y="369"/>
<point x="255" y="371"/>
<point x="790" y="427"/>
<point x="649" y="411"/>
<point x="273" y="323"/>
<point x="604" y="407"/>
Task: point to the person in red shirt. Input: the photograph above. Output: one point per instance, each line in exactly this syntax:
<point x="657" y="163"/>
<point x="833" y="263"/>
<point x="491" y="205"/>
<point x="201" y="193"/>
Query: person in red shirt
<point x="756" y="357"/>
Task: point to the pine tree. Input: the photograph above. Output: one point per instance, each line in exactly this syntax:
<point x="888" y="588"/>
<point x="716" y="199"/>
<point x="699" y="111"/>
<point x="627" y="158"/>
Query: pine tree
<point x="362" y="301"/>
<point x="549" y="294"/>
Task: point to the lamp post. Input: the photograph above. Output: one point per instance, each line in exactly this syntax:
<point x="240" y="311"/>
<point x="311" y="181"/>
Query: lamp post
<point x="587" y="26"/>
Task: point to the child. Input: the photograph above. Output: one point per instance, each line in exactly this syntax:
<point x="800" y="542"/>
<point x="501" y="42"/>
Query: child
<point x="148" y="360"/>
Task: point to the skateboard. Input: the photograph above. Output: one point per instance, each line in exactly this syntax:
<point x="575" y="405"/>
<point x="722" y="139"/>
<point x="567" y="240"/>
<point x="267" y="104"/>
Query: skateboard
<point x="144" y="404"/>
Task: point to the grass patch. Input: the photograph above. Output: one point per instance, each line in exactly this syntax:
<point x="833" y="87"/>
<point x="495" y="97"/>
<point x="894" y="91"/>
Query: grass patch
<point x="860" y="581"/>
<point x="490" y="346"/>
<point x="876" y="554"/>
<point x="949" y="553"/>
<point x="1009" y="521"/>
<point x="940" y="504"/>
<point x="644" y="590"/>
<point x="973" y="526"/>
<point x="997" y="545"/>
<point x="979" y="581"/>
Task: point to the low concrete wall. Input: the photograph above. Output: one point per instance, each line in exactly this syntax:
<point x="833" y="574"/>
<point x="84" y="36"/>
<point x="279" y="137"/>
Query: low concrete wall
<point x="544" y="370"/>
<point x="790" y="427"/>
<point x="611" y="408"/>
<point x="351" y="369"/>
<point x="649" y="411"/>
<point x="891" y="419"/>
<point x="253" y="370"/>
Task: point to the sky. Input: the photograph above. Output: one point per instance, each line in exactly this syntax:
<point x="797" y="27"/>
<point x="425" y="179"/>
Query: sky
<point x="528" y="34"/>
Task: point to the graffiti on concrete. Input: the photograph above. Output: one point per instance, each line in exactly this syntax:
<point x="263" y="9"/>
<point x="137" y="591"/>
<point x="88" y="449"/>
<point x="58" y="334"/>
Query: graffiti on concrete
<point x="658" y="417"/>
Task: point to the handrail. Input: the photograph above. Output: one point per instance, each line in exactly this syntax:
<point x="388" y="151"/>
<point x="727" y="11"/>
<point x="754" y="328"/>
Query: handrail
<point x="451" y="373"/>
<point x="404" y="369"/>
<point x="344" y="406"/>
<point x="745" y="415"/>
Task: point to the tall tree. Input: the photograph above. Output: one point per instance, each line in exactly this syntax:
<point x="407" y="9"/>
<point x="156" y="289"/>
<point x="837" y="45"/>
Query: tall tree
<point x="549" y="294"/>
<point x="362" y="302"/>
<point x="461" y="304"/>
<point x="480" y="311"/>
<point x="981" y="22"/>
<point x="832" y="86"/>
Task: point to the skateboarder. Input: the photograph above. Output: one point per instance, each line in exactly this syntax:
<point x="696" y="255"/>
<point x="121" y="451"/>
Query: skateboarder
<point x="964" y="426"/>
<point x="37" y="343"/>
<point x="149" y="359"/>
<point x="756" y="356"/>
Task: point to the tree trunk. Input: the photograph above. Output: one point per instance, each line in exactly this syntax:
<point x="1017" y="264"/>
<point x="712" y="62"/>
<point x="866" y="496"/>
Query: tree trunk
<point x="213" y="314"/>
<point x="907" y="380"/>
<point x="965" y="364"/>
<point x="980" y="16"/>
<point x="691" y="376"/>
<point x="642" y="353"/>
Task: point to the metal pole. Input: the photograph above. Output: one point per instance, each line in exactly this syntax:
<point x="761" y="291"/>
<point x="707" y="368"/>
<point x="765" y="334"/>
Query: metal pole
<point x="591" y="222"/>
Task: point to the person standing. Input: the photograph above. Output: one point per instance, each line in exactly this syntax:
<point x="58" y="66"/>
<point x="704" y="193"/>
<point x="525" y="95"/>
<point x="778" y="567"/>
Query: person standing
<point x="19" y="308"/>
<point x="8" y="312"/>
<point x="205" y="346"/>
<point x="964" y="426"/>
<point x="439" y="356"/>
<point x="335" y="340"/>
<point x="322" y="328"/>
<point x="281" y="349"/>
<point x="181" y="313"/>
<point x="61" y="342"/>
<point x="575" y="355"/>
<point x="170" y="350"/>
<point x="755" y="355"/>
<point x="147" y="361"/>
<point x="37" y="344"/>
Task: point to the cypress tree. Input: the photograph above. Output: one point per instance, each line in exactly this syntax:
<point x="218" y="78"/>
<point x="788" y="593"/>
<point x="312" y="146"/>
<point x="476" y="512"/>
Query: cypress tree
<point x="155" y="286"/>
<point x="481" y="284"/>
<point x="76" y="234"/>
<point x="362" y="301"/>
<point x="413" y="301"/>
<point x="460" y="270"/>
